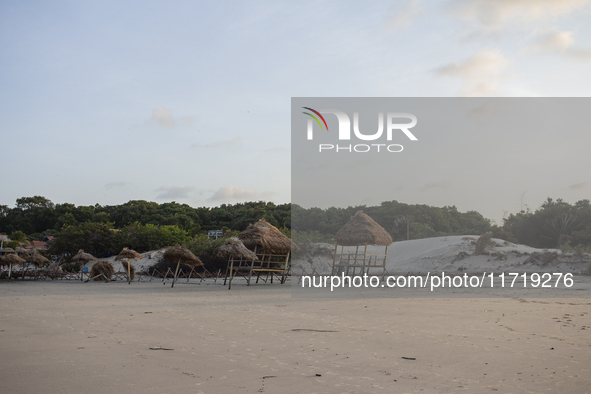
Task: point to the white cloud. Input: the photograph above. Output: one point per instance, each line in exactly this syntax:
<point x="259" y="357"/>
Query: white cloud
<point x="560" y="42"/>
<point x="405" y="15"/>
<point x="579" y="186"/>
<point x="435" y="185"/>
<point x="173" y="192"/>
<point x="479" y="74"/>
<point x="113" y="185"/>
<point x="494" y="14"/>
<point x="239" y="193"/>
<point x="231" y="143"/>
<point x="163" y="117"/>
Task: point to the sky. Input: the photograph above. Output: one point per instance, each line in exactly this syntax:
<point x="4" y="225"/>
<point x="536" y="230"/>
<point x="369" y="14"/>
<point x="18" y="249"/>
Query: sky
<point x="189" y="101"/>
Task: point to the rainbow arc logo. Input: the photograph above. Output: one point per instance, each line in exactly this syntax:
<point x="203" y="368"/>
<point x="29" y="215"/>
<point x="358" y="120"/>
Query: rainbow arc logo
<point x="315" y="118"/>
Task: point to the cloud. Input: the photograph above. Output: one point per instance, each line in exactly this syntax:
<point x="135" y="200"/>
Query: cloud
<point x="435" y="185"/>
<point x="561" y="42"/>
<point x="579" y="186"/>
<point x="113" y="185"/>
<point x="173" y="192"/>
<point x="239" y="193"/>
<point x="234" y="142"/>
<point x="479" y="73"/>
<point x="494" y="14"/>
<point x="163" y="117"/>
<point x="280" y="149"/>
<point x="405" y="15"/>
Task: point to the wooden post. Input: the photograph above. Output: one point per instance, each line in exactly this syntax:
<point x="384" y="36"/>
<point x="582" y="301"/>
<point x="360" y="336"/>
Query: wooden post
<point x="9" y="271"/>
<point x="175" y="273"/>
<point x="231" y="271"/>
<point x="128" y="272"/>
<point x="364" y="257"/>
<point x="251" y="265"/>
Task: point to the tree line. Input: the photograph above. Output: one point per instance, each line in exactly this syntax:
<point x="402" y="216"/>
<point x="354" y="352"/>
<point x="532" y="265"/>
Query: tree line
<point x="144" y="225"/>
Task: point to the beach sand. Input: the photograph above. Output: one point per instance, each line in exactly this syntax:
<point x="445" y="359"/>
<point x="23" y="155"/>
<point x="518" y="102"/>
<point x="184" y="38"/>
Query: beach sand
<point x="73" y="337"/>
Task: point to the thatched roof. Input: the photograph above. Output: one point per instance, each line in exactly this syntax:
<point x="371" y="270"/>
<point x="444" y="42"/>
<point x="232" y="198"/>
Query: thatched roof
<point x="20" y="249"/>
<point x="179" y="253"/>
<point x="38" y="260"/>
<point x="81" y="256"/>
<point x="235" y="248"/>
<point x="13" y="259"/>
<point x="102" y="270"/>
<point x="362" y="230"/>
<point x="7" y="250"/>
<point x="266" y="236"/>
<point x="128" y="254"/>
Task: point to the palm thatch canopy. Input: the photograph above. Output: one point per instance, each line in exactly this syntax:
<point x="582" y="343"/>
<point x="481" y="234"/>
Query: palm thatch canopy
<point x="39" y="260"/>
<point x="235" y="248"/>
<point x="266" y="236"/>
<point x="102" y="270"/>
<point x="81" y="256"/>
<point x="13" y="259"/>
<point x="180" y="254"/>
<point x="362" y="230"/>
<point x="7" y="250"/>
<point x="20" y="249"/>
<point x="128" y="254"/>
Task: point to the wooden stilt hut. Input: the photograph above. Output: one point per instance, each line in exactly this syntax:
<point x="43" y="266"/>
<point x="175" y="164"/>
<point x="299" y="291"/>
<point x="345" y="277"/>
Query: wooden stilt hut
<point x="272" y="249"/>
<point x="361" y="230"/>
<point x="238" y="255"/>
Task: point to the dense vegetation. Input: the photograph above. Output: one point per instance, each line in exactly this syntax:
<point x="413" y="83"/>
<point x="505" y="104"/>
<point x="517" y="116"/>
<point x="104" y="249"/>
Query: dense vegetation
<point x="143" y="225"/>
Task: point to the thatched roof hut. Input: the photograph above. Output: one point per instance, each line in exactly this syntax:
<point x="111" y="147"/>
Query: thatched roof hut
<point x="362" y="230"/>
<point x="20" y="250"/>
<point x="39" y="260"/>
<point x="128" y="254"/>
<point x="235" y="248"/>
<point x="6" y="250"/>
<point x="82" y="256"/>
<point x="13" y="259"/>
<point x="266" y="236"/>
<point x="180" y="254"/>
<point x="102" y="270"/>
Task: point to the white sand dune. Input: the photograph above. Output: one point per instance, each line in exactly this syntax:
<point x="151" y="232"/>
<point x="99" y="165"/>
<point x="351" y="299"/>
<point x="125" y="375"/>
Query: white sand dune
<point x="454" y="254"/>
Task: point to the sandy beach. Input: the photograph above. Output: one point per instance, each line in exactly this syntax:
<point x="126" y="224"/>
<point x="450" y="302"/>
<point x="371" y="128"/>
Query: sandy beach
<point x="72" y="337"/>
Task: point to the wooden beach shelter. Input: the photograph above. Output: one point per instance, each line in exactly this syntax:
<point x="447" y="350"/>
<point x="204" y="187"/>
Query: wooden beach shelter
<point x="125" y="256"/>
<point x="85" y="257"/>
<point x="10" y="260"/>
<point x="180" y="254"/>
<point x="101" y="270"/>
<point x="361" y="230"/>
<point x="237" y="254"/>
<point x="272" y="249"/>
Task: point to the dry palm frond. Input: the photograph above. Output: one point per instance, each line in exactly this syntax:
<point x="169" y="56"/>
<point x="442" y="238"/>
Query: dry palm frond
<point x="7" y="250"/>
<point x="265" y="236"/>
<point x="128" y="254"/>
<point x="180" y="254"/>
<point x="362" y="230"/>
<point x="13" y="259"/>
<point x="102" y="270"/>
<point x="20" y="249"/>
<point x="81" y="256"/>
<point x="39" y="260"/>
<point x="235" y="248"/>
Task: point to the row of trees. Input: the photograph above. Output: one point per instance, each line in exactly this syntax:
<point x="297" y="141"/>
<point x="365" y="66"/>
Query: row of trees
<point x="38" y="216"/>
<point x="143" y="225"/>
